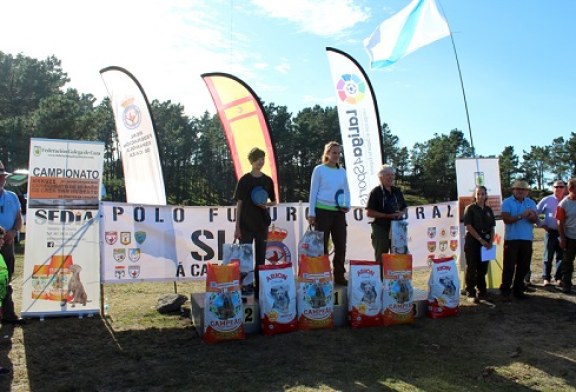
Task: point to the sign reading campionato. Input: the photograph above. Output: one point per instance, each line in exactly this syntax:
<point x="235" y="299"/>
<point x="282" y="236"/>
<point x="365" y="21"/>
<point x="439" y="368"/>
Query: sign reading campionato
<point x="61" y="265"/>
<point x="359" y="125"/>
<point x="143" y="242"/>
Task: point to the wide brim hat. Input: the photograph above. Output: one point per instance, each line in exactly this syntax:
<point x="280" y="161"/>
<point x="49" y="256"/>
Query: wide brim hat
<point x="520" y="184"/>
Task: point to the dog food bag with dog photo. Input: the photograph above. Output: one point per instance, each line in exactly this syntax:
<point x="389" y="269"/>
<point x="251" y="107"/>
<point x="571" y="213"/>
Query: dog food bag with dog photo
<point x="244" y="255"/>
<point x="364" y="294"/>
<point x="315" y="293"/>
<point x="397" y="294"/>
<point x="444" y="288"/>
<point x="223" y="310"/>
<point x="277" y="299"/>
<point x="311" y="244"/>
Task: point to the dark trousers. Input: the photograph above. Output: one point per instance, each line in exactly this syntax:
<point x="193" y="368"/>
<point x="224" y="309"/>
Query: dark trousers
<point x="551" y="249"/>
<point x="517" y="257"/>
<point x="568" y="263"/>
<point x="476" y="269"/>
<point x="333" y="224"/>
<point x="7" y="252"/>
<point x="259" y="238"/>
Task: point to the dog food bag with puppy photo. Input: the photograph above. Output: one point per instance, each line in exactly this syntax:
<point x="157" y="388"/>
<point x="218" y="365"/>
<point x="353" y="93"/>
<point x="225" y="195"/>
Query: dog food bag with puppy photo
<point x="244" y="255"/>
<point x="315" y="293"/>
<point x="364" y="294"/>
<point x="444" y="288"/>
<point x="397" y="294"/>
<point x="312" y="243"/>
<point x="223" y="310"/>
<point x="277" y="299"/>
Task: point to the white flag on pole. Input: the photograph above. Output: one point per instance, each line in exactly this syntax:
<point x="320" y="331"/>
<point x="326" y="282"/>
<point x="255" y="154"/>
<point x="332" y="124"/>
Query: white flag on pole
<point x="415" y="26"/>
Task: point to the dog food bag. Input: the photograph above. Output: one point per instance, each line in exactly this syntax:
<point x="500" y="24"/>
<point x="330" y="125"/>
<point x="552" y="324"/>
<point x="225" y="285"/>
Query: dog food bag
<point x="277" y="299"/>
<point x="444" y="288"/>
<point x="364" y="294"/>
<point x="315" y="293"/>
<point x="223" y="310"/>
<point x="311" y="244"/>
<point x="243" y="254"/>
<point x="397" y="294"/>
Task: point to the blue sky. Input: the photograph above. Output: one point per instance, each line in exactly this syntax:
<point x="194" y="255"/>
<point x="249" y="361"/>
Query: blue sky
<point x="517" y="58"/>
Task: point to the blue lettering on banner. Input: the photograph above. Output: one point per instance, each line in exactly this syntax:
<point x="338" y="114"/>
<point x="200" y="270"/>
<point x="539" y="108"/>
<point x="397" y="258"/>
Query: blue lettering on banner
<point x="358" y="153"/>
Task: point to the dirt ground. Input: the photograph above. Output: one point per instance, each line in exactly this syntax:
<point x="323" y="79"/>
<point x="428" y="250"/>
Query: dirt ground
<point x="515" y="346"/>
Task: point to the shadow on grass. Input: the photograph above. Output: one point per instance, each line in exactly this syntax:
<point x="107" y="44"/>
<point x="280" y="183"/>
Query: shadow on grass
<point x="516" y="346"/>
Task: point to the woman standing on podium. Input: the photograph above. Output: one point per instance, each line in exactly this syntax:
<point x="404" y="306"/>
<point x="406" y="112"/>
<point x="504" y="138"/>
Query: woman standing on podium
<point x="479" y="221"/>
<point x="329" y="203"/>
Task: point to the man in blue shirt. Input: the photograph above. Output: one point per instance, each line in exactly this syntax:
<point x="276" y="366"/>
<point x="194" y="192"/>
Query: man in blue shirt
<point x="11" y="221"/>
<point x="519" y="215"/>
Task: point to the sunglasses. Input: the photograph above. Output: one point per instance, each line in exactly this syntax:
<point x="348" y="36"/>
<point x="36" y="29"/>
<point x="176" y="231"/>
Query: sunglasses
<point x="559" y="186"/>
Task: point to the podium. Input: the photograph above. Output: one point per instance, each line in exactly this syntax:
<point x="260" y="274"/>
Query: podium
<point x="252" y="309"/>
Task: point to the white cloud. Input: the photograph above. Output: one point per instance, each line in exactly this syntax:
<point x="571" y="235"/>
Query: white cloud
<point x="320" y="17"/>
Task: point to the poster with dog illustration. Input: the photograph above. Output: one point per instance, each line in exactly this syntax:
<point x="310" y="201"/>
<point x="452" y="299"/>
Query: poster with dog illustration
<point x="398" y="295"/>
<point x="444" y="288"/>
<point x="223" y="310"/>
<point x="364" y="294"/>
<point x="315" y="293"/>
<point x="277" y="299"/>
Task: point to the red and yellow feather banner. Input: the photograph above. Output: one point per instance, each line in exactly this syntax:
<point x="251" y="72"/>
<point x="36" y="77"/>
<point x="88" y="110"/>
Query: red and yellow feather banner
<point x="244" y="121"/>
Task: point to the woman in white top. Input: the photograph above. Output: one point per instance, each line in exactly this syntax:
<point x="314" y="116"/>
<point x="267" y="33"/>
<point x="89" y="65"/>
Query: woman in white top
<point x="329" y="202"/>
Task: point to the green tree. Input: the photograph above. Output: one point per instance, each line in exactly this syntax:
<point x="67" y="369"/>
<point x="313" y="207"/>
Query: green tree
<point x="436" y="179"/>
<point x="535" y="165"/>
<point x="508" y="168"/>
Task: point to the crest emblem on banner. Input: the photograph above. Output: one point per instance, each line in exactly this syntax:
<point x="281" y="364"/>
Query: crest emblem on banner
<point x="431" y="246"/>
<point x="443" y="232"/>
<point x="443" y="245"/>
<point x="119" y="254"/>
<point x="125" y="238"/>
<point x="134" y="254"/>
<point x="134" y="271"/>
<point x="453" y="231"/>
<point x="111" y="237"/>
<point x="140" y="237"/>
<point x="119" y="271"/>
<point x="453" y="245"/>
<point x="431" y="232"/>
<point x="132" y="116"/>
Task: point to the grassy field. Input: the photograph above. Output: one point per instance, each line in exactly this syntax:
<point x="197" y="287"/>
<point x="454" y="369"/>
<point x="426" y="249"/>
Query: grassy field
<point x="516" y="346"/>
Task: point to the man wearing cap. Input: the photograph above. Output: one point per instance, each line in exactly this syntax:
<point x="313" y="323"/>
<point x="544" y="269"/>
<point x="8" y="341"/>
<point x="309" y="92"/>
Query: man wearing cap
<point x="519" y="215"/>
<point x="11" y="220"/>
<point x="547" y="207"/>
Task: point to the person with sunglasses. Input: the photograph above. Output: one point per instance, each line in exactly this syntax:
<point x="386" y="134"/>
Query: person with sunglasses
<point x="547" y="207"/>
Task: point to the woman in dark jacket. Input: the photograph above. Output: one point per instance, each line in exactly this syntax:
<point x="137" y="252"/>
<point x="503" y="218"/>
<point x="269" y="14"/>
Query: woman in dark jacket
<point x="479" y="221"/>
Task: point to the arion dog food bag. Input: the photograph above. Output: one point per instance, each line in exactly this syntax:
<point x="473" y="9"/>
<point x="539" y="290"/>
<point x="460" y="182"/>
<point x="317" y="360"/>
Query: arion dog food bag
<point x="277" y="299"/>
<point x="397" y="297"/>
<point x="223" y="311"/>
<point x="315" y="293"/>
<point x="444" y="288"/>
<point x="364" y="294"/>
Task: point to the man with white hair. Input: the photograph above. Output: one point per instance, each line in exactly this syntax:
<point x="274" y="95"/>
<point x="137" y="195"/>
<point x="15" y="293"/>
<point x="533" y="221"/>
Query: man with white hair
<point x="547" y="207"/>
<point x="385" y="204"/>
<point x="11" y="221"/>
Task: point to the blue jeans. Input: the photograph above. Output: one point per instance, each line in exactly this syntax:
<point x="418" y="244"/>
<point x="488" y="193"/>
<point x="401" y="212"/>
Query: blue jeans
<point x="551" y="249"/>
